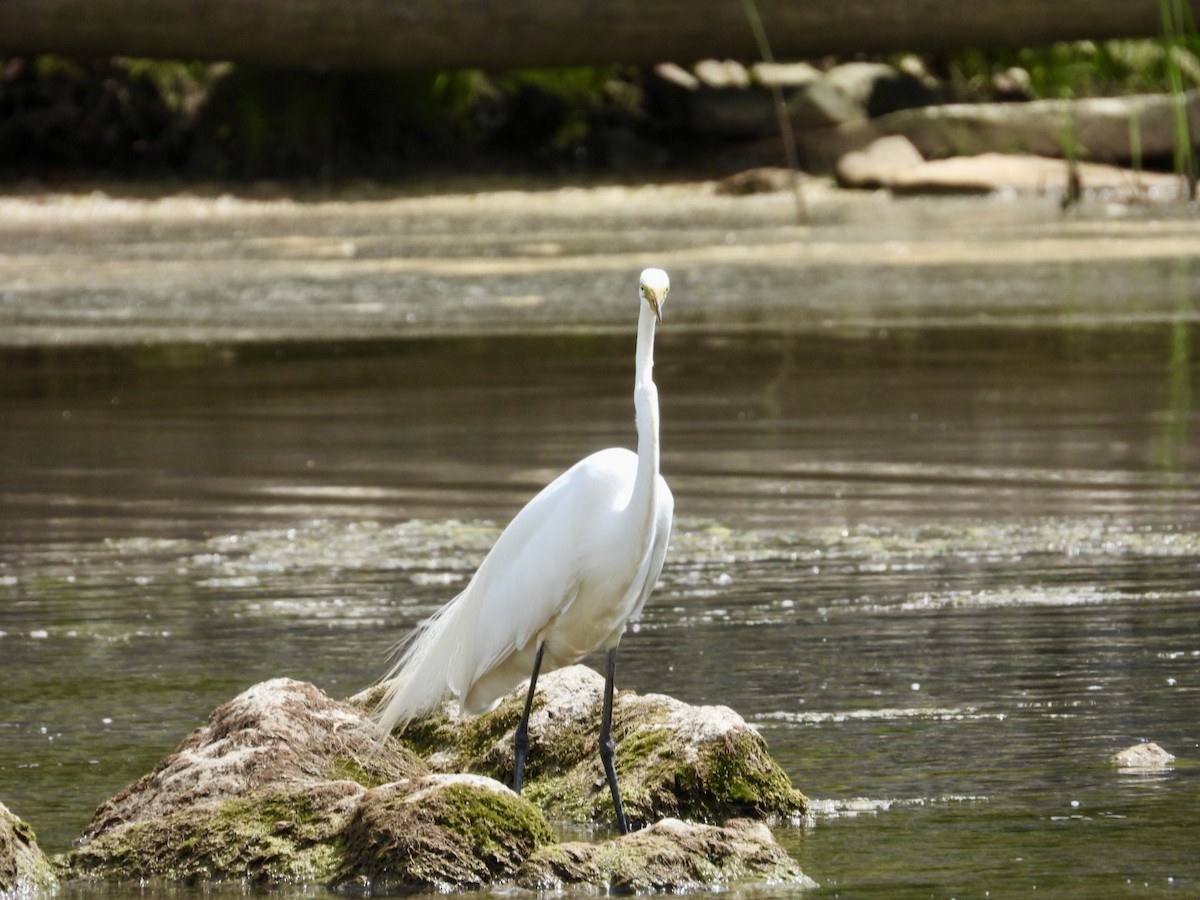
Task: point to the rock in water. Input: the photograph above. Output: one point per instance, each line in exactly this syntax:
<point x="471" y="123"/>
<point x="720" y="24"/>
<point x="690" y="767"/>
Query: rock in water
<point x="668" y="856"/>
<point x="673" y="759"/>
<point x="24" y="869"/>
<point x="1148" y="757"/>
<point x="284" y="834"/>
<point x="279" y="733"/>
<point x="260" y="793"/>
<point x="447" y="832"/>
<point x="283" y="785"/>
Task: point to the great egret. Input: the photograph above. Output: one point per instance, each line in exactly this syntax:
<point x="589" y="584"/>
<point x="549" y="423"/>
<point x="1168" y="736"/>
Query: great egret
<point x="564" y="578"/>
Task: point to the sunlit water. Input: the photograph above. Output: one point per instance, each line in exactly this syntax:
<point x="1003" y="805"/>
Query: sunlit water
<point x="947" y="572"/>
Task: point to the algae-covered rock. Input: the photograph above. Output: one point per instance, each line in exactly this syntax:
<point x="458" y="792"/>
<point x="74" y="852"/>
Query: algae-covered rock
<point x="673" y="760"/>
<point x="23" y="866"/>
<point x="272" y="835"/>
<point x="668" y="856"/>
<point x="283" y="785"/>
<point x="259" y="793"/>
<point x="444" y="832"/>
<point x="278" y="732"/>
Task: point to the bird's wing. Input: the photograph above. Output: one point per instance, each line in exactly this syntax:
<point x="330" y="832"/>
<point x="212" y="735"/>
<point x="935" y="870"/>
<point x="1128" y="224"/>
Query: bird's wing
<point x="531" y="574"/>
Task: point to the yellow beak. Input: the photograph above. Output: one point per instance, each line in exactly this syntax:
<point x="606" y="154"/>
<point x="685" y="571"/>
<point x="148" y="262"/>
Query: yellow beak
<point x="654" y="298"/>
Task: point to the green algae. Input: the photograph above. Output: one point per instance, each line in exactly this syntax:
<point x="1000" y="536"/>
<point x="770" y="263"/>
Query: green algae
<point x="711" y="781"/>
<point x="492" y="821"/>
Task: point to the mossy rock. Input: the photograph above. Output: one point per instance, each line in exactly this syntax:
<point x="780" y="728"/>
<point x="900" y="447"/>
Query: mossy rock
<point x="702" y="763"/>
<point x="284" y="786"/>
<point x="274" y="835"/>
<point x="278" y="732"/>
<point x="447" y="832"/>
<point x="669" y="856"/>
<point x="24" y="868"/>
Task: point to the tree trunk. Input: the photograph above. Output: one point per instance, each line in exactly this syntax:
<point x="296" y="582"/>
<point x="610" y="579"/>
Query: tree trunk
<point x="523" y="33"/>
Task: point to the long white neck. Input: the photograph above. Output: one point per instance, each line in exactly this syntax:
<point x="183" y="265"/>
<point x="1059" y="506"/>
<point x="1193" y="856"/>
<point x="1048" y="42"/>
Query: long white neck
<point x="645" y="402"/>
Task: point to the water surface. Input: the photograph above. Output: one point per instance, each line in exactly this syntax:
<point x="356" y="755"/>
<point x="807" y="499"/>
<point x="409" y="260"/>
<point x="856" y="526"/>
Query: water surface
<point x="947" y="571"/>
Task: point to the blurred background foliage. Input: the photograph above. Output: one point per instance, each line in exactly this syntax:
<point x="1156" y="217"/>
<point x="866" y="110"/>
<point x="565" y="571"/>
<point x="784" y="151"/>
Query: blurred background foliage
<point x="1078" y="69"/>
<point x="139" y="117"/>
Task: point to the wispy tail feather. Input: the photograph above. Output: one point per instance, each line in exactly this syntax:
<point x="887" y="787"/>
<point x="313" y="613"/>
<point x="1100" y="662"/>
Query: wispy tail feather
<point x="420" y="679"/>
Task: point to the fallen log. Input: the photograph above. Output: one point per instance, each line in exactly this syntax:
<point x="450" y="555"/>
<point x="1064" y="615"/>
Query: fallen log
<point x="409" y="34"/>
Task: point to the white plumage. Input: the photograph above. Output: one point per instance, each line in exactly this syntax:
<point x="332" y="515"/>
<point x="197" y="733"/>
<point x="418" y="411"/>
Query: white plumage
<point x="570" y="571"/>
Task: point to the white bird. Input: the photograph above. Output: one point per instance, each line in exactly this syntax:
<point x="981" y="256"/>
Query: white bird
<point x="566" y="576"/>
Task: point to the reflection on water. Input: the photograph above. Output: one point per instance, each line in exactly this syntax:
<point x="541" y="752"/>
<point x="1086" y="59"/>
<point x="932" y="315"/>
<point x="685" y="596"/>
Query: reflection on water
<point x="946" y="572"/>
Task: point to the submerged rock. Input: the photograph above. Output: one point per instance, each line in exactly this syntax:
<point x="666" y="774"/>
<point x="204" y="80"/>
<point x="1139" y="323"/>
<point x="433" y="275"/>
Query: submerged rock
<point x="284" y="785"/>
<point x="1145" y="757"/>
<point x="23" y="867"/>
<point x="672" y="759"/>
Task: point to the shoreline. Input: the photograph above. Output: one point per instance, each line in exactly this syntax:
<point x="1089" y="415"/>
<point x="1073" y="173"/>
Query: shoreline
<point x="103" y="267"/>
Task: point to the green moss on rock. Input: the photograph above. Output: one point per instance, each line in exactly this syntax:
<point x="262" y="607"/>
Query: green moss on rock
<point x="347" y="768"/>
<point x="480" y="744"/>
<point x="450" y="832"/>
<point x="23" y="866"/>
<point x="274" y="835"/>
<point x="672" y="759"/>
<point x="668" y="856"/>
<point x="284" y="786"/>
<point x="734" y="777"/>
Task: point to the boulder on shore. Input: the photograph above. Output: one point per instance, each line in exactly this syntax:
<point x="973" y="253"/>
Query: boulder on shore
<point x="1135" y="130"/>
<point x="1102" y="129"/>
<point x="999" y="172"/>
<point x="895" y="164"/>
<point x="879" y="164"/>
<point x="285" y="785"/>
<point x="23" y="867"/>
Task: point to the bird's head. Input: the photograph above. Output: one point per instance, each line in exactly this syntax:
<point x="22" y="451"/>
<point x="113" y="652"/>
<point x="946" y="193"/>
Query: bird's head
<point x="653" y="287"/>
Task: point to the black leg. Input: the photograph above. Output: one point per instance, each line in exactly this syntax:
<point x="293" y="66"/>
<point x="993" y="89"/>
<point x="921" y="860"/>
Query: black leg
<point x="522" y="737"/>
<point x="607" y="746"/>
